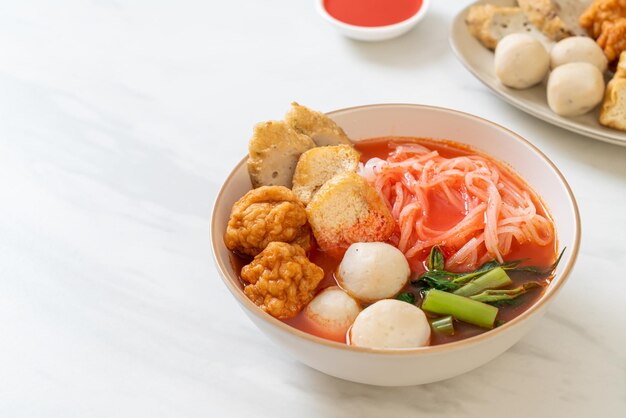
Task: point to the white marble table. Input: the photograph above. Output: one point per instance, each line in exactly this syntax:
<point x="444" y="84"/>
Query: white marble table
<point x="118" y="123"/>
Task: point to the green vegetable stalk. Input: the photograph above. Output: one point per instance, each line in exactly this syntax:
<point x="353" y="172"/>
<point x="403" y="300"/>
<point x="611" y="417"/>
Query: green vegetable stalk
<point x="493" y="279"/>
<point x="443" y="325"/>
<point x="460" y="307"/>
<point x="490" y="296"/>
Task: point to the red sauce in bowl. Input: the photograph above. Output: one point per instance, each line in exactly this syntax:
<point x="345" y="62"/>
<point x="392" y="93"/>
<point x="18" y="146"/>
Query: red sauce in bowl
<point x="372" y="13"/>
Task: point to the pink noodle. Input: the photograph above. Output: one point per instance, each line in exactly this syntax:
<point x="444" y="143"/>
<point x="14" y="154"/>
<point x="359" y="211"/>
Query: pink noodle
<point x="497" y="212"/>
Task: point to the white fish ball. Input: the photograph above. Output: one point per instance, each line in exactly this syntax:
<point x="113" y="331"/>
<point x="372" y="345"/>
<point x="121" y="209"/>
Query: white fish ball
<point x="332" y="312"/>
<point x="390" y="323"/>
<point x="578" y="49"/>
<point x="371" y="271"/>
<point x="575" y="88"/>
<point x="521" y="61"/>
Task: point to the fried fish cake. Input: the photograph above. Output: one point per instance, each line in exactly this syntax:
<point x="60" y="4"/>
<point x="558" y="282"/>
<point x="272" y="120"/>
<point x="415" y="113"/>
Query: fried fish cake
<point x="281" y="279"/>
<point x="264" y="215"/>
<point x="274" y="151"/>
<point x="319" y="127"/>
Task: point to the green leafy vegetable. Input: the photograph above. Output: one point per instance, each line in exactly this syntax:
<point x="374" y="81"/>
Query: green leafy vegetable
<point x="493" y="279"/>
<point x="406" y="297"/>
<point x="441" y="280"/>
<point x="499" y="322"/>
<point x="495" y="295"/>
<point x="485" y="268"/>
<point x="507" y="302"/>
<point x="541" y="271"/>
<point x="460" y="307"/>
<point x="444" y="325"/>
<point x="436" y="260"/>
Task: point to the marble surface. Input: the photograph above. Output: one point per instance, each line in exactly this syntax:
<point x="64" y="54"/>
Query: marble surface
<point x="119" y="121"/>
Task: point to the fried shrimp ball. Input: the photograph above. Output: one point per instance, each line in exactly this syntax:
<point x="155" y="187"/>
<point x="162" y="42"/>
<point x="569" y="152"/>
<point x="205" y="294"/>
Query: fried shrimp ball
<point x="605" y="20"/>
<point x="599" y="12"/>
<point x="282" y="279"/>
<point x="613" y="38"/>
<point x="263" y="215"/>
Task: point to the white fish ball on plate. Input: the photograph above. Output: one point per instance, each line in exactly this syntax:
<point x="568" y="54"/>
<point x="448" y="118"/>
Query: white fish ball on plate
<point x="575" y="88"/>
<point x="578" y="49"/>
<point x="521" y="61"/>
<point x="390" y="323"/>
<point x="371" y="271"/>
<point x="332" y="311"/>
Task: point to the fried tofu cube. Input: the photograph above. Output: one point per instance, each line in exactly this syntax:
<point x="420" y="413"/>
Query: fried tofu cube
<point x="347" y="209"/>
<point x="318" y="165"/>
<point x="613" y="113"/>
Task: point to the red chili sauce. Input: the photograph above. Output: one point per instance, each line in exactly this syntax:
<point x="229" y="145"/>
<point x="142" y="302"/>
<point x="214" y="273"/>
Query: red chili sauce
<point x="372" y="13"/>
<point x="536" y="255"/>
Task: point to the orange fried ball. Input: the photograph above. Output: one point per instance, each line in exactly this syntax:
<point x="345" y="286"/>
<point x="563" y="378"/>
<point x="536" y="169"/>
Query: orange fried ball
<point x="605" y="21"/>
<point x="613" y="38"/>
<point x="263" y="215"/>
<point x="599" y="12"/>
<point x="282" y="279"/>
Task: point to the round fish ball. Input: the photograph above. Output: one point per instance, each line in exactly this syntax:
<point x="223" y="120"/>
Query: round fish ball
<point x="332" y="312"/>
<point x="578" y="49"/>
<point x="521" y="61"/>
<point x="575" y="88"/>
<point x="371" y="271"/>
<point x="390" y="323"/>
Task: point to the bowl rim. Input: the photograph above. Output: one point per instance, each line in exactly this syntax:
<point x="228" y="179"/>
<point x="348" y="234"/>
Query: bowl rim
<point x="371" y="29"/>
<point x="548" y="294"/>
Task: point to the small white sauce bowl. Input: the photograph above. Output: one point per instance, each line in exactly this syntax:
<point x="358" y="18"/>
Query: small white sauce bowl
<point x="373" y="33"/>
<point x="403" y="367"/>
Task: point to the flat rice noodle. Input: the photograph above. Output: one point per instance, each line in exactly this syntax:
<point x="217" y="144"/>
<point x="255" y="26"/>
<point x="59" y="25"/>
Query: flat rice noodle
<point x="497" y="212"/>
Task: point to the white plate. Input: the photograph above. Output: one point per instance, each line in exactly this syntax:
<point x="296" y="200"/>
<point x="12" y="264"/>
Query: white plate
<point x="479" y="61"/>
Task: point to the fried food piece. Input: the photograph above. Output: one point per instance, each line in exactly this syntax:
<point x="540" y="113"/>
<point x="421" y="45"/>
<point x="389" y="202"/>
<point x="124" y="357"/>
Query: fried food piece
<point x="613" y="113"/>
<point x="613" y="38"/>
<point x="263" y="215"/>
<point x="318" y="165"/>
<point x="599" y="12"/>
<point x="489" y="24"/>
<point x="557" y="19"/>
<point x="319" y="127"/>
<point x="281" y="279"/>
<point x="274" y="151"/>
<point x="347" y="209"/>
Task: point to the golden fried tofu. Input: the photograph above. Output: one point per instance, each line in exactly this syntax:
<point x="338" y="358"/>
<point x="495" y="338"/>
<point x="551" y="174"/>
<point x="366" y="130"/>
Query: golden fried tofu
<point x="318" y="165"/>
<point x="281" y="279"/>
<point x="347" y="209"/>
<point x="557" y="19"/>
<point x="274" y="151"/>
<point x="264" y="215"/>
<point x="613" y="113"/>
<point x="489" y="23"/>
<point x="319" y="127"/>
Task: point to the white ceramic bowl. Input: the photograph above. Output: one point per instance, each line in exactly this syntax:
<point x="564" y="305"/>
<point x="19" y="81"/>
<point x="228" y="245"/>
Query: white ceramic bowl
<point x="373" y="33"/>
<point x="426" y="364"/>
